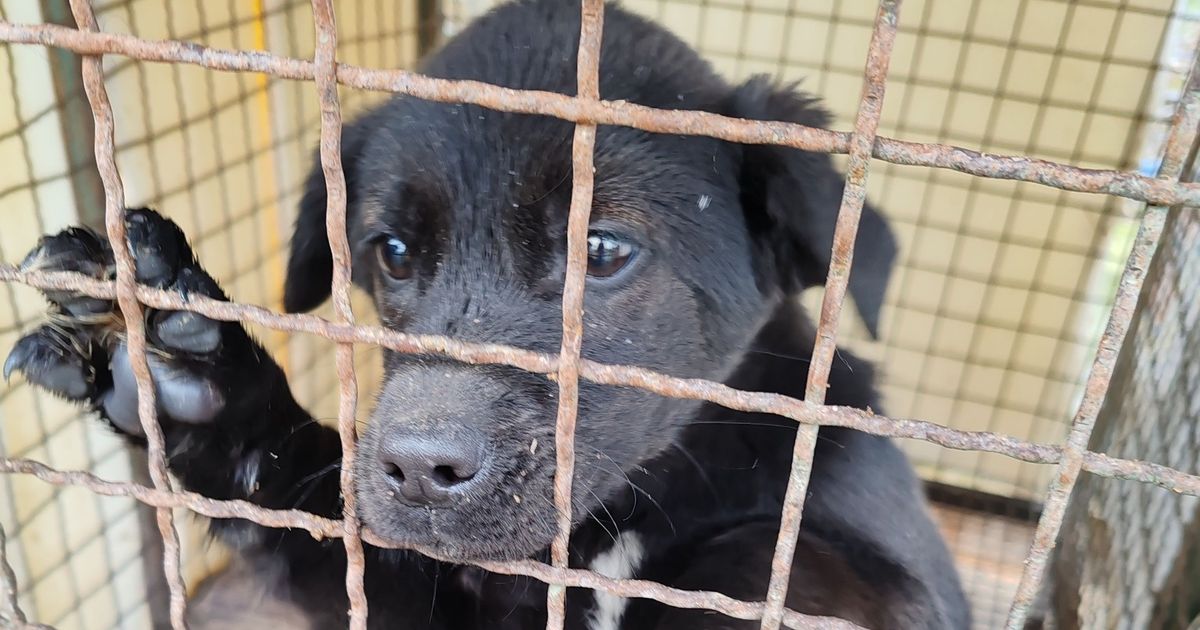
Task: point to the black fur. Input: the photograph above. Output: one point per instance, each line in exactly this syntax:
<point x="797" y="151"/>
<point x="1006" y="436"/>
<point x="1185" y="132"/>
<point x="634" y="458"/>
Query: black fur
<point x="728" y="236"/>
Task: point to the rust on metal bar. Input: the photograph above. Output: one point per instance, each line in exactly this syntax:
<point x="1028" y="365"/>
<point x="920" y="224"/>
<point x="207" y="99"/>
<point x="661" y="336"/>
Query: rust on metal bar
<point x="1159" y="475"/>
<point x="325" y="68"/>
<point x="321" y="527"/>
<point x="676" y="598"/>
<point x="213" y="508"/>
<point x="131" y="310"/>
<point x="621" y="375"/>
<point x="574" y="109"/>
<point x="1179" y="150"/>
<point x="591" y="28"/>
<point x="854" y="195"/>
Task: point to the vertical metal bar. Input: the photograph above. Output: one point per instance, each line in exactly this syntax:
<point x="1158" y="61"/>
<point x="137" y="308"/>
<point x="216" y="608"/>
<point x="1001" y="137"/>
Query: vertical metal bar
<point x="1176" y="162"/>
<point x="152" y="555"/>
<point x="853" y="197"/>
<point x="131" y="309"/>
<point x="582" y="180"/>
<point x="11" y="615"/>
<point x="12" y="612"/>
<point x="335" y="225"/>
<point x="88" y="191"/>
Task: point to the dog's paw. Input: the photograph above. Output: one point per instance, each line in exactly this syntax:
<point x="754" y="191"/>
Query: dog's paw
<point x="81" y="354"/>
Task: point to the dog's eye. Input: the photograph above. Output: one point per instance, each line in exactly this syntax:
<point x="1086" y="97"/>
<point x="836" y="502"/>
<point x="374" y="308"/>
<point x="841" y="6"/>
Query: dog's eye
<point x="393" y="257"/>
<point x="607" y="253"/>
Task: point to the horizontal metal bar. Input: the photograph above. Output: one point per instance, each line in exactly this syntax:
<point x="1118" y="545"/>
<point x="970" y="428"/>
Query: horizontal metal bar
<point x="621" y="113"/>
<point x="629" y="376"/>
<point x="583" y="171"/>
<point x="321" y="528"/>
<point x="854" y="197"/>
<point x="339" y="291"/>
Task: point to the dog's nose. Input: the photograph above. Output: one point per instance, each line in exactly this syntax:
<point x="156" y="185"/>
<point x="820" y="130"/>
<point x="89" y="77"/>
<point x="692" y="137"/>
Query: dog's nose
<point x="431" y="471"/>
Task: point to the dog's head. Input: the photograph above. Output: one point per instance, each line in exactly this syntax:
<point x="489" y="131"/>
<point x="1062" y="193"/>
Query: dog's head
<point x="457" y="222"/>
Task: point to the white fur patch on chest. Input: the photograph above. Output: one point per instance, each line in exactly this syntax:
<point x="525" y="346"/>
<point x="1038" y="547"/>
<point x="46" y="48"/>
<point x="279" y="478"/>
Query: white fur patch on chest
<point x="621" y="561"/>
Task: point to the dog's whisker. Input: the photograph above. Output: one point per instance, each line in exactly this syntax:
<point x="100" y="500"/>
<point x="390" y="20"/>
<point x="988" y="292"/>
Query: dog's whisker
<point x="639" y="490"/>
<point x="596" y="519"/>
<point x="307" y="484"/>
<point x="779" y="355"/>
<point x="699" y="468"/>
<point x="620" y="472"/>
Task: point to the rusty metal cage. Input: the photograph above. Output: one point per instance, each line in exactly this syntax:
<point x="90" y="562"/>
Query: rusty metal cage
<point x="1167" y="193"/>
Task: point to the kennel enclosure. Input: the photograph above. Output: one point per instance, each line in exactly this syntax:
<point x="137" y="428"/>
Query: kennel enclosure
<point x="999" y="301"/>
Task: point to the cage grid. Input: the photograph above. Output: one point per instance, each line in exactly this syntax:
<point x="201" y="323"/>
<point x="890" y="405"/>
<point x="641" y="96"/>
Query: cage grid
<point x="1008" y="240"/>
<point x="1019" y="306"/>
<point x="586" y="112"/>
<point x="1131" y="560"/>
<point x="83" y="567"/>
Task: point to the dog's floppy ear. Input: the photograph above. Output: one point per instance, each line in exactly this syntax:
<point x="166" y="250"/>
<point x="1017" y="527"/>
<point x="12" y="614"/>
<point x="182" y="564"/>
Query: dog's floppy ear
<point x="310" y="264"/>
<point x="791" y="199"/>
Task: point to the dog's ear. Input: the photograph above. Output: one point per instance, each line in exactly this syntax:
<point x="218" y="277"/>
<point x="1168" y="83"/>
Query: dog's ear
<point x="791" y="200"/>
<point x="310" y="263"/>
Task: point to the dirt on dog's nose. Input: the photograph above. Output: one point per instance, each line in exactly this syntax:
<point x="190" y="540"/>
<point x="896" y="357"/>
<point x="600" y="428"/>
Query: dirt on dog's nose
<point x="446" y="464"/>
<point x="434" y="471"/>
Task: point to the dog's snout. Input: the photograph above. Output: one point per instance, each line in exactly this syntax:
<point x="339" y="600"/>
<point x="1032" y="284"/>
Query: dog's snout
<point x="432" y="470"/>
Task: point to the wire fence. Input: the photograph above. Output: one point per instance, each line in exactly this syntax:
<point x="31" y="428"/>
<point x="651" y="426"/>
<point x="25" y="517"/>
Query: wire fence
<point x="1001" y="287"/>
<point x="226" y="153"/>
<point x="588" y="111"/>
<point x="1132" y="559"/>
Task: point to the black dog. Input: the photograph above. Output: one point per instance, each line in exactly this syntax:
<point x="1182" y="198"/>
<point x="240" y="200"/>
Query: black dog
<point x="696" y="251"/>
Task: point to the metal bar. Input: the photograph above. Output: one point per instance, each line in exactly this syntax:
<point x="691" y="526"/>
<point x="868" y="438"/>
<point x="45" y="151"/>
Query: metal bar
<point x="213" y="508"/>
<point x="78" y="129"/>
<point x="854" y="196"/>
<point x="322" y="528"/>
<point x="335" y="225"/>
<point x="591" y="27"/>
<point x="12" y="612"/>
<point x="622" y="375"/>
<point x="1176" y="163"/>
<point x="131" y="310"/>
<point x="11" y="615"/>
<point x="620" y="113"/>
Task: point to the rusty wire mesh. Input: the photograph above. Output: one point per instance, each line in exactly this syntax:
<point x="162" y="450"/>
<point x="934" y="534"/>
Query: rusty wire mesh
<point x="227" y="154"/>
<point x="1001" y="287"/>
<point x="1132" y="559"/>
<point x="587" y="111"/>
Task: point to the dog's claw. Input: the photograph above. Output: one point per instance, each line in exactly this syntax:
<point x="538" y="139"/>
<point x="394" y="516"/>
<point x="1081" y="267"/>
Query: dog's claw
<point x="15" y="359"/>
<point x="49" y="366"/>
